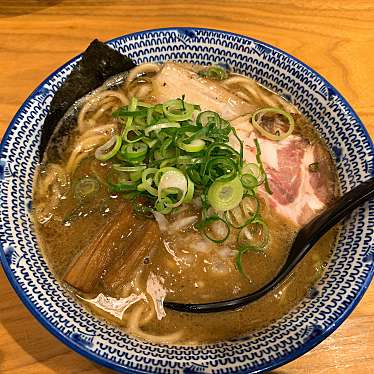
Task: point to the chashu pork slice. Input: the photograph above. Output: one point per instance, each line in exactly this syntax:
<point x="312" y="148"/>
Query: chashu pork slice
<point x="298" y="193"/>
<point x="175" y="80"/>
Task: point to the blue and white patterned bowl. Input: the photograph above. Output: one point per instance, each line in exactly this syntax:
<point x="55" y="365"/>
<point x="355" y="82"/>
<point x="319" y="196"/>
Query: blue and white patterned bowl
<point x="348" y="273"/>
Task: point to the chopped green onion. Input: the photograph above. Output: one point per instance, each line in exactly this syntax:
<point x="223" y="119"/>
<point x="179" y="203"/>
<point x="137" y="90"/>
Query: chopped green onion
<point x="224" y="196"/>
<point x="145" y="105"/>
<point x="109" y="149"/>
<point x="196" y="145"/>
<point x="221" y="168"/>
<point x="131" y="135"/>
<point x="208" y="117"/>
<point x="254" y="170"/>
<point x="134" y="151"/>
<point x="173" y="181"/>
<point x="133" y="104"/>
<point x="164" y="206"/>
<point x="222" y="149"/>
<point x="255" y="234"/>
<point x="161" y="126"/>
<point x="85" y="188"/>
<point x="188" y="160"/>
<point x="120" y="181"/>
<point x="241" y="145"/>
<point x="150" y="142"/>
<point x="163" y="170"/>
<point x="215" y="73"/>
<point x="249" y="181"/>
<point x="147" y="182"/>
<point x="120" y="167"/>
<point x="131" y="108"/>
<point x="238" y="260"/>
<point x="194" y="175"/>
<point x="168" y="161"/>
<point x="136" y="175"/>
<point x="149" y="116"/>
<point x="190" y="191"/>
<point x="178" y="110"/>
<point x="261" y="166"/>
<point x="164" y="149"/>
<point x="157" y="155"/>
<point x="226" y="159"/>
<point x="245" y="213"/>
<point x="182" y="100"/>
<point x="206" y="226"/>
<point x="256" y="122"/>
<point x="121" y="112"/>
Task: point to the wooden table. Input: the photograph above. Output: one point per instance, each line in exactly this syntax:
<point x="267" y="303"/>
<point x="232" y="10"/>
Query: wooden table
<point x="335" y="37"/>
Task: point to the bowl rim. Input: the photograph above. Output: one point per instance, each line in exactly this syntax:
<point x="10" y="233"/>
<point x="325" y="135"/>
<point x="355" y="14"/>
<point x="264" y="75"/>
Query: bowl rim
<point x="109" y="363"/>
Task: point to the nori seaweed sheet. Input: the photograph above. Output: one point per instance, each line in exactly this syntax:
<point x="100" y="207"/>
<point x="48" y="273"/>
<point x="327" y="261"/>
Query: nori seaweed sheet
<point x="99" y="62"/>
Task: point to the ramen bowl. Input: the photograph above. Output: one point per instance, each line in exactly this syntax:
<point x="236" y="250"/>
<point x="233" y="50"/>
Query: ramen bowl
<point x="333" y="297"/>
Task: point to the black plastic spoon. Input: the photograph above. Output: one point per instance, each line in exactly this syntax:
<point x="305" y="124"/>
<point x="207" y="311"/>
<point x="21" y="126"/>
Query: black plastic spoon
<point x="304" y="241"/>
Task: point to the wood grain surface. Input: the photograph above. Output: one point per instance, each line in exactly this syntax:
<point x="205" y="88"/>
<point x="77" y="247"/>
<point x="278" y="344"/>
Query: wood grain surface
<point x="335" y="37"/>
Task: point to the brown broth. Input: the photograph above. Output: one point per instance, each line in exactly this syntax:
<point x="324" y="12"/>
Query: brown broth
<point x="61" y="243"/>
<point x="194" y="276"/>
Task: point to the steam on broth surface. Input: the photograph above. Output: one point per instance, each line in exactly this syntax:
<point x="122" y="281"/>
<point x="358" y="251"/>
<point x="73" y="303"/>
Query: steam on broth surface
<point x="183" y="183"/>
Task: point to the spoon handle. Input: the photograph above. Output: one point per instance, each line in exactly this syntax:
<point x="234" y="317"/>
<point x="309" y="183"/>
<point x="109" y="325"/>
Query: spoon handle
<point x="303" y="242"/>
